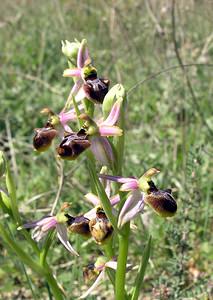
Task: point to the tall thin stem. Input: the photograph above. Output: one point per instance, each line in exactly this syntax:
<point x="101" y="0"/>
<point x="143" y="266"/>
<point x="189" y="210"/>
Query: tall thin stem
<point x="122" y="260"/>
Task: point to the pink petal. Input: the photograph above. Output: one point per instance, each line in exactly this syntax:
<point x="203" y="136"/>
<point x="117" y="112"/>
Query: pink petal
<point x="114" y="199"/>
<point x="38" y="234"/>
<point x="119" y="179"/>
<point x="94" y="286"/>
<point x="105" y="130"/>
<point x="51" y="224"/>
<point x="46" y="220"/>
<point x="80" y="95"/>
<point x="66" y="117"/>
<point x="132" y="207"/>
<point x="83" y="55"/>
<point x="113" y="115"/>
<point x="129" y="186"/>
<point x="92" y="198"/>
<point x="102" y="150"/>
<point x="62" y="236"/>
<point x="91" y="214"/>
<point x="111" y="264"/>
<point x="72" y="73"/>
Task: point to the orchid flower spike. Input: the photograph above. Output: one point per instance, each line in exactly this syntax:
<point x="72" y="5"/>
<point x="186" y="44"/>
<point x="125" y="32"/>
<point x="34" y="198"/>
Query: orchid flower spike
<point x="99" y="268"/>
<point x="44" y="225"/>
<point x="143" y="191"/>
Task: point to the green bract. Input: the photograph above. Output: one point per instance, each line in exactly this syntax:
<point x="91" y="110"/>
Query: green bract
<point x="115" y="93"/>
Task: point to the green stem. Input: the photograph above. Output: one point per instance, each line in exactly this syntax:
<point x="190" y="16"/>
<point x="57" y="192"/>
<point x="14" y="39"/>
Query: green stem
<point x="122" y="260"/>
<point x="142" y="270"/>
<point x="46" y="247"/>
<point x="57" y="293"/>
<point x="29" y="281"/>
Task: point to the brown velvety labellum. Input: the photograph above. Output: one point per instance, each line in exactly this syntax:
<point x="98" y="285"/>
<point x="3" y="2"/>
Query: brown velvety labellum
<point x="79" y="225"/>
<point x="73" y="145"/>
<point x="162" y="202"/>
<point x="43" y="138"/>
<point x="96" y="89"/>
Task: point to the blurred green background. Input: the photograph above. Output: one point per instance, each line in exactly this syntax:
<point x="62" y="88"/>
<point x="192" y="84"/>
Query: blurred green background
<point x="169" y="126"/>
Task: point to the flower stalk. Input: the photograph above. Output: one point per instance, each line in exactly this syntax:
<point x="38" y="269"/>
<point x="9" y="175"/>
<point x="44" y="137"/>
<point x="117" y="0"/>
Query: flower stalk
<point x="122" y="262"/>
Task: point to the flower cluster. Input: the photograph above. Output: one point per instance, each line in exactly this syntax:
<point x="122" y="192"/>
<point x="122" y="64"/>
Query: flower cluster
<point x="119" y="199"/>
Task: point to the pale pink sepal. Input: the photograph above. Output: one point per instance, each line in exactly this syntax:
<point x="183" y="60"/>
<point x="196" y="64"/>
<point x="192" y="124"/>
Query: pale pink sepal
<point x="113" y="115"/>
<point x="119" y="179"/>
<point x="102" y="150"/>
<point x="68" y="116"/>
<point x="91" y="214"/>
<point x="94" y="286"/>
<point x="62" y="236"/>
<point x="105" y="130"/>
<point x="80" y="95"/>
<point x="111" y="264"/>
<point x="132" y="207"/>
<point x="83" y="55"/>
<point x="114" y="199"/>
<point x="132" y="184"/>
<point x="92" y="198"/>
<point x="72" y="73"/>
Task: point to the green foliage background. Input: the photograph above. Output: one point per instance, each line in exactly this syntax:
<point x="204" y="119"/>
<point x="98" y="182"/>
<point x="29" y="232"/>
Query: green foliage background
<point x="129" y="41"/>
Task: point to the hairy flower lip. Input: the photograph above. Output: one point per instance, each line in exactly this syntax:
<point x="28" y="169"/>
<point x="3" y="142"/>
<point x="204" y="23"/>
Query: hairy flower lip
<point x="96" y="89"/>
<point x="43" y="138"/>
<point x="73" y="145"/>
<point x="78" y="224"/>
<point x="162" y="202"/>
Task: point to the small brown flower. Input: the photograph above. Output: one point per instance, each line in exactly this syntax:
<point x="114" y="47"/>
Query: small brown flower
<point x="79" y="225"/>
<point x="43" y="138"/>
<point x="73" y="145"/>
<point x="100" y="227"/>
<point x="96" y="89"/>
<point x="90" y="272"/>
<point x="161" y="201"/>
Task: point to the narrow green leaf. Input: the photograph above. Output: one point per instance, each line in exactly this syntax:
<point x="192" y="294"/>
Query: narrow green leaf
<point x="142" y="270"/>
<point x="11" y="188"/>
<point x="17" y="248"/>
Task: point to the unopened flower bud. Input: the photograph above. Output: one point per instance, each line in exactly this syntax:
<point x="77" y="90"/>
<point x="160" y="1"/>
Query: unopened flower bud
<point x="73" y="145"/>
<point x="100" y="227"/>
<point x="115" y="93"/>
<point x="43" y="138"/>
<point x="79" y="225"/>
<point x="2" y="164"/>
<point x="70" y="50"/>
<point x="162" y="202"/>
<point x="96" y="89"/>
